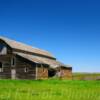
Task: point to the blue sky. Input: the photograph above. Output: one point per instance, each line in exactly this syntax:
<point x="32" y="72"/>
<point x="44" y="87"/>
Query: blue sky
<point x="69" y="29"/>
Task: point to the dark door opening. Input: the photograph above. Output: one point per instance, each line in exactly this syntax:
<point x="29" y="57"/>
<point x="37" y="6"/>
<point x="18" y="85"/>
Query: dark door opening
<point x="1" y="69"/>
<point x="51" y="73"/>
<point x="0" y="65"/>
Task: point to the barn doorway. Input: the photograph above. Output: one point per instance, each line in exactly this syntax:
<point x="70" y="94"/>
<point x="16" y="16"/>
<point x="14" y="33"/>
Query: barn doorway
<point x="0" y="65"/>
<point x="1" y="69"/>
<point x="51" y="73"/>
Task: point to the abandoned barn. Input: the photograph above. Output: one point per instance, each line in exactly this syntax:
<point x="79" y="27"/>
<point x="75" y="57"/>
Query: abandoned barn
<point x="20" y="61"/>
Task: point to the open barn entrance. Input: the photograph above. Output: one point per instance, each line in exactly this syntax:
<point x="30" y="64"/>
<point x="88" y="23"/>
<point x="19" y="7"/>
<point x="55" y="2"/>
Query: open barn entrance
<point x="1" y="69"/>
<point x="0" y="65"/>
<point x="52" y="73"/>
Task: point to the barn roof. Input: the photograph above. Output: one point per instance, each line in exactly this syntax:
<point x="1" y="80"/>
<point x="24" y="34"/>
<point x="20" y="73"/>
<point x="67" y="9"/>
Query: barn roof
<point x="44" y="59"/>
<point x="52" y="63"/>
<point x="21" y="46"/>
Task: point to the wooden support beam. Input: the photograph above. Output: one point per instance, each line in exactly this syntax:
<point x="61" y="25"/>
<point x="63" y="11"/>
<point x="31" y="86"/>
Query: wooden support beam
<point x="36" y="72"/>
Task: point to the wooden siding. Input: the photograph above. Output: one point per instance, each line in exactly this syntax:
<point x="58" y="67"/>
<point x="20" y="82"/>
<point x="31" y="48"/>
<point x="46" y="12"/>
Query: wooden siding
<point x="21" y="65"/>
<point x="41" y="72"/>
<point x="6" y="64"/>
<point x="66" y="73"/>
<point x="9" y="50"/>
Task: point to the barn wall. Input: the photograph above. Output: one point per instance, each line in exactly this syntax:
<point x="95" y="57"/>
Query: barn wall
<point x="6" y="61"/>
<point x="21" y="66"/>
<point x="66" y="73"/>
<point x="9" y="50"/>
<point x="41" y="72"/>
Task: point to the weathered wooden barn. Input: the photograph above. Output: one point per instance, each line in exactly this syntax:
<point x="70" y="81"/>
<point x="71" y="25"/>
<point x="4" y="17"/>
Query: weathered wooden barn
<point x="20" y="61"/>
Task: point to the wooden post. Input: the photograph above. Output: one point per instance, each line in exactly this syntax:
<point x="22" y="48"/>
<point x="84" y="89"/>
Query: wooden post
<point x="36" y="72"/>
<point x="13" y="73"/>
<point x="42" y="74"/>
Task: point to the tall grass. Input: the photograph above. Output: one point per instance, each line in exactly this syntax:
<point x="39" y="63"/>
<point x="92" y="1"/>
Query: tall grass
<point x="49" y="90"/>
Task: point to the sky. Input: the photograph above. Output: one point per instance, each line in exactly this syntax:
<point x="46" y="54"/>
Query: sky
<point x="69" y="29"/>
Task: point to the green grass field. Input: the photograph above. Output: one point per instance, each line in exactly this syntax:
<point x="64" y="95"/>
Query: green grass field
<point x="49" y="90"/>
